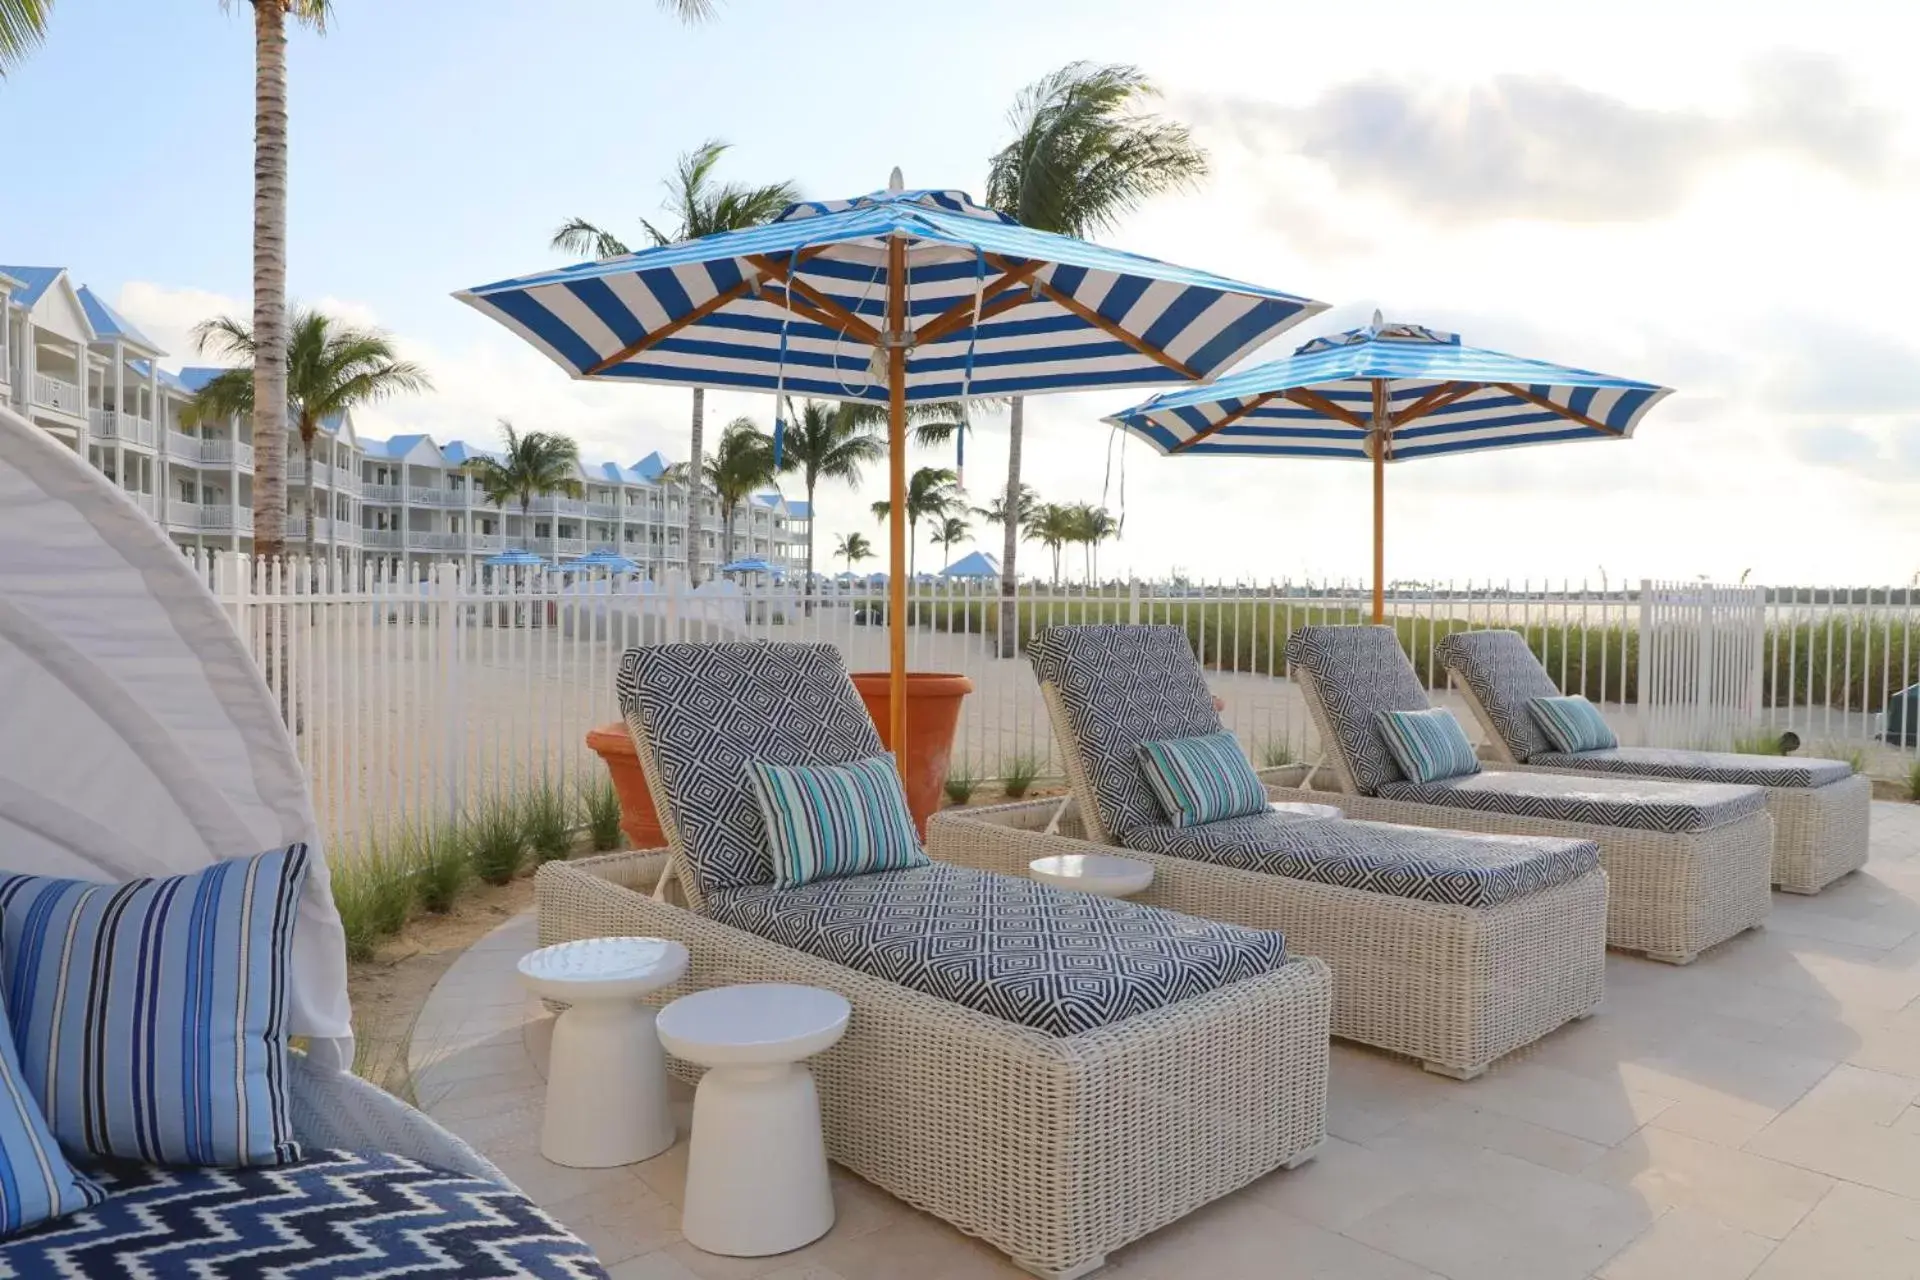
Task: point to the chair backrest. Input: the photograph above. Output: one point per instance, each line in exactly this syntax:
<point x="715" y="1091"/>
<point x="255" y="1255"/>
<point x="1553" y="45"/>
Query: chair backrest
<point x="1346" y="675"/>
<point x="699" y="712"/>
<point x="1109" y="689"/>
<point x="1499" y="676"/>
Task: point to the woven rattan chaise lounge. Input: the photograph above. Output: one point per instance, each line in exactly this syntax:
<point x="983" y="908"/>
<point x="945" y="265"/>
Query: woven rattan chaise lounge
<point x="1689" y="864"/>
<point x="1452" y="949"/>
<point x="1054" y="1073"/>
<point x="1820" y="808"/>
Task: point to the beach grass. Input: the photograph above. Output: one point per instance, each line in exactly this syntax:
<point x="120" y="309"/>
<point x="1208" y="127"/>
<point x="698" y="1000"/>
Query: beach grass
<point x="600" y="805"/>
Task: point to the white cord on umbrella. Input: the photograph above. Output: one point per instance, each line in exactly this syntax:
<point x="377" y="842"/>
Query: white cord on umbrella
<point x="966" y="380"/>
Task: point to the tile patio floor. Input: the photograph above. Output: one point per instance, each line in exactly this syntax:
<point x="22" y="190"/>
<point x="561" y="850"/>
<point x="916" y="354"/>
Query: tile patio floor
<point x="1756" y="1114"/>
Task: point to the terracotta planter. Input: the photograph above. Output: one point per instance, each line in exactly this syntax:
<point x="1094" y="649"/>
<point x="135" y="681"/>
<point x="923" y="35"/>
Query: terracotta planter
<point x="637" y="817"/>
<point x="933" y="712"/>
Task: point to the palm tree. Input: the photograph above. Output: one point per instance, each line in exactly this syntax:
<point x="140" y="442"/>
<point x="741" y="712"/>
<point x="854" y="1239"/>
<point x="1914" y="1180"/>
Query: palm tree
<point x="1054" y="527"/>
<point x="826" y="442"/>
<point x="852" y="547"/>
<point x="530" y="466"/>
<point x="1091" y="526"/>
<point x="331" y="369"/>
<point x="23" y="25"/>
<point x="740" y="466"/>
<point x="1083" y="156"/>
<point x="949" y="533"/>
<point x="702" y="208"/>
<point x="933" y="493"/>
<point x="995" y="512"/>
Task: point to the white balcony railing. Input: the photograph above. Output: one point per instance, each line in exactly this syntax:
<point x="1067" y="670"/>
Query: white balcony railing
<point x="219" y="449"/>
<point x="52" y="393"/>
<point x="381" y="539"/>
<point x="489" y="542"/>
<point x="420" y="495"/>
<point x="182" y="447"/>
<point x="425" y="540"/>
<point x="338" y="533"/>
<point x="209" y="515"/>
<point x="604" y="510"/>
<point x="109" y="424"/>
<point x="393" y="493"/>
<point x="557" y="506"/>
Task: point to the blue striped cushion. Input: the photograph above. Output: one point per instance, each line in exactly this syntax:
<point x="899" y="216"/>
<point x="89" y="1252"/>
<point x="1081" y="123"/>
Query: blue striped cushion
<point x="1573" y="723"/>
<point x="36" y="1182"/>
<point x="150" y="1017"/>
<point x="826" y="820"/>
<point x="1202" y="780"/>
<point x="1428" y="745"/>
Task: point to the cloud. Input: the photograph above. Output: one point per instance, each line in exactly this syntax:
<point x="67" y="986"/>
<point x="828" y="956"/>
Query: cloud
<point x="1889" y="454"/>
<point x="1820" y="366"/>
<point x="1528" y="146"/>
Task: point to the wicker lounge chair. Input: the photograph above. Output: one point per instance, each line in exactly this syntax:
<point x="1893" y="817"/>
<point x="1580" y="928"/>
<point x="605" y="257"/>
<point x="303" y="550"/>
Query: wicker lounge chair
<point x="1057" y="1145"/>
<point x="1689" y="864"/>
<point x="1452" y="949"/>
<point x="1820" y="808"/>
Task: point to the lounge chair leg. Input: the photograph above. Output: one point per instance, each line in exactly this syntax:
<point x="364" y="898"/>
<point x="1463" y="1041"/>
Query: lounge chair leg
<point x="1086" y="1268"/>
<point x="1454" y="1073"/>
<point x="1673" y="957"/>
<point x="1304" y="1156"/>
<point x="1053" y="823"/>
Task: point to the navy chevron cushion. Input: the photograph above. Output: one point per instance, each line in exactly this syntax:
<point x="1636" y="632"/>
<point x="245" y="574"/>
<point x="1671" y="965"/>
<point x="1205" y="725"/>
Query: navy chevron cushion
<point x="835" y="819"/>
<point x="1427" y="745"/>
<point x="36" y="1182"/>
<point x="150" y="1016"/>
<point x="334" y="1216"/>
<point x="1204" y="779"/>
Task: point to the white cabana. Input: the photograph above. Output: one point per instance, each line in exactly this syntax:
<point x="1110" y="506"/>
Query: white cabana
<point x="137" y="738"/>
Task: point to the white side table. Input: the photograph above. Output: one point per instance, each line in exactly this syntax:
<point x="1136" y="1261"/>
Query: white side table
<point x="757" y="1167"/>
<point x="1304" y="809"/>
<point x="1101" y="873"/>
<point x="607" y="1084"/>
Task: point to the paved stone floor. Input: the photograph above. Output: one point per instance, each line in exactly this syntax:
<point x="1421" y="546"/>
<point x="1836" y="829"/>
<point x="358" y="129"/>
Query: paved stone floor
<point x="1756" y="1114"/>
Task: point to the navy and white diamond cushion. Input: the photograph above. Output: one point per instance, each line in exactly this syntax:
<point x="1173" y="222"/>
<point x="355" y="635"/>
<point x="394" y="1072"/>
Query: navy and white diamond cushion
<point x="1122" y="686"/>
<point x="710" y="709"/>
<point x="1058" y="962"/>
<point x="1359" y="672"/>
<point x="1679" y="765"/>
<point x="1504" y="676"/>
<point x="334" y="1216"/>
<point x="1402" y="862"/>
<point x="1598" y="800"/>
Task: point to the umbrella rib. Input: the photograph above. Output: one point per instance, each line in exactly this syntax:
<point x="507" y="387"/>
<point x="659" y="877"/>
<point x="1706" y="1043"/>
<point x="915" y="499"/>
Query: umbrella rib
<point x="1438" y="398"/>
<point x="852" y="325"/>
<point x="694" y="316"/>
<point x="799" y="306"/>
<point x="1224" y="423"/>
<point x="1327" y="408"/>
<point x="958" y="315"/>
<point x="1564" y="412"/>
<point x="1099" y="321"/>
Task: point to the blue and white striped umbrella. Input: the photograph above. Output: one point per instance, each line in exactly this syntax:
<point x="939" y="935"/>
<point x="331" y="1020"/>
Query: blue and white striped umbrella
<point x="896" y="297"/>
<point x="1390" y="393"/>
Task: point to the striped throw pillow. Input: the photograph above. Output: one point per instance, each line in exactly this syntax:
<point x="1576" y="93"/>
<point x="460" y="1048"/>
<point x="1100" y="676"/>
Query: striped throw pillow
<point x="828" y="820"/>
<point x="1428" y="745"/>
<point x="1573" y="724"/>
<point x="36" y="1182"/>
<point x="150" y="1017"/>
<point x="1202" y="780"/>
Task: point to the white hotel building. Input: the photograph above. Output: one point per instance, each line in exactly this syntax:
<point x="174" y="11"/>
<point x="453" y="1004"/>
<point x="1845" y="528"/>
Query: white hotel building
<point x="74" y="366"/>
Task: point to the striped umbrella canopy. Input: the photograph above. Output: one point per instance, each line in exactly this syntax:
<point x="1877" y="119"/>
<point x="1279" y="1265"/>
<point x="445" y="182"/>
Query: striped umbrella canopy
<point x="1390" y="393"/>
<point x="513" y="559"/>
<point x="896" y="297"/>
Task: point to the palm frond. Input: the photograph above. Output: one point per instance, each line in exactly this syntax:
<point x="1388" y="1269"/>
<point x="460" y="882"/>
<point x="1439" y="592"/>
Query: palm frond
<point x="578" y="236"/>
<point x="23" y="28"/>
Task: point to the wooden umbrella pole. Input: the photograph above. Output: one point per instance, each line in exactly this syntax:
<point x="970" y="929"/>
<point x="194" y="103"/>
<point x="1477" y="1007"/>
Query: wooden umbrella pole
<point x="1379" y="501"/>
<point x="897" y="495"/>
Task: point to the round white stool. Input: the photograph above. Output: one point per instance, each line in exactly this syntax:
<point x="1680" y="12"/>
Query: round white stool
<point x="757" y="1168"/>
<point x="1101" y="873"/>
<point x="607" y="1084"/>
<point x="1304" y="809"/>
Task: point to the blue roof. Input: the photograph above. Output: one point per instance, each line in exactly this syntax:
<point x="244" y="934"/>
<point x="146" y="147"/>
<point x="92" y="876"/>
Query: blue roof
<point x="975" y="564"/>
<point x="108" y="323"/>
<point x="196" y="376"/>
<point x="144" y="367"/>
<point x="457" y="451"/>
<point x="799" y="508"/>
<point x="401" y="446"/>
<point x="652" y="466"/>
<point x="36" y="280"/>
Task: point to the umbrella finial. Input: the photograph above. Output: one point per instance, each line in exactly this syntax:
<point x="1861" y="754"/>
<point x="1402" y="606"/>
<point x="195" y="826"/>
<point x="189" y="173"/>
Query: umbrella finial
<point x="895" y="183"/>
<point x="1379" y="321"/>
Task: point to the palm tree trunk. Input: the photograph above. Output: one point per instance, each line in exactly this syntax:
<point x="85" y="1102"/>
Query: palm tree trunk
<point x="806" y="592"/>
<point x="269" y="278"/>
<point x="306" y="454"/>
<point x="696" y="442"/>
<point x="1009" y="637"/>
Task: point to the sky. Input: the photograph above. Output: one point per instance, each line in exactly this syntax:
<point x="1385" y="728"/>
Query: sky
<point x="1642" y="188"/>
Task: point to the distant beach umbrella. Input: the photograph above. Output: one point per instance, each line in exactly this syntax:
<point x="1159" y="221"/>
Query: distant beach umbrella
<point x="1390" y="393"/>
<point x="975" y="564"/>
<point x="611" y="561"/>
<point x="751" y="565"/>
<point x="892" y="298"/>
<point x="515" y="558"/>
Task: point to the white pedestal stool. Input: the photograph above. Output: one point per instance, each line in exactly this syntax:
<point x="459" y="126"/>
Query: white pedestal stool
<point x="1106" y="874"/>
<point x="757" y="1167"/>
<point x="607" y="1084"/>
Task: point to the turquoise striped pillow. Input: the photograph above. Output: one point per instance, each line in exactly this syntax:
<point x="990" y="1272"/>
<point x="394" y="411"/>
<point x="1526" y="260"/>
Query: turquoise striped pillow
<point x="36" y="1182"/>
<point x="1428" y="745"/>
<point x="1573" y="723"/>
<point x="1202" y="780"/>
<point x="150" y="1017"/>
<point x="827" y="820"/>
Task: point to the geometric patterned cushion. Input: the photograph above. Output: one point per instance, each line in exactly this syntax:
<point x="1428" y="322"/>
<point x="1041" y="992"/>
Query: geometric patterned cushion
<point x="1401" y="862"/>
<point x="835" y="819"/>
<point x="334" y="1216"/>
<point x="1573" y="723"/>
<point x="1428" y="744"/>
<point x="1123" y="686"/>
<point x="710" y="709"/>
<point x="1633" y="804"/>
<point x="151" y="1016"/>
<point x="1053" y="960"/>
<point x="1201" y="780"/>
<point x="36" y="1182"/>
<point x="1504" y="676"/>
<point x="1360" y="672"/>
<point x="1704" y="766"/>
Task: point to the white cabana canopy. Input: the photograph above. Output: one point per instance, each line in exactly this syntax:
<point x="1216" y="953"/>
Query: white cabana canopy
<point x="137" y="738"/>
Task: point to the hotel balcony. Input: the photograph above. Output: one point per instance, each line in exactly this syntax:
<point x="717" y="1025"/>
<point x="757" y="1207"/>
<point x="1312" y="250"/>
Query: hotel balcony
<point x="61" y="397"/>
<point x="109" y="424"/>
<point x="209" y="516"/>
<point x="344" y="479"/>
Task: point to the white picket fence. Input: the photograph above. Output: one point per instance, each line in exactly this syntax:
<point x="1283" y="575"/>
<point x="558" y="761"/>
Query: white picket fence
<point x="417" y="696"/>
